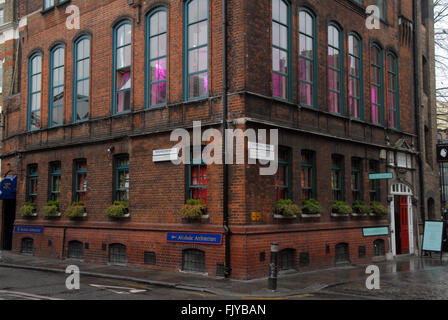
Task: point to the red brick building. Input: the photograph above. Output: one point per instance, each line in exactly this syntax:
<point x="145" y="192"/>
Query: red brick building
<point x="96" y="102"/>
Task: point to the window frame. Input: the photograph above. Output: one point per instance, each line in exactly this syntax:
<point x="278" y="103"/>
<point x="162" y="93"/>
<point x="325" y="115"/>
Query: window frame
<point x="115" y="69"/>
<point x="48" y="7"/>
<point x="357" y="173"/>
<point x="396" y="92"/>
<point x="76" y="80"/>
<point x="148" y="59"/>
<point x="374" y="185"/>
<point x="77" y="172"/>
<point x="359" y="78"/>
<point x="289" y="50"/>
<point x="288" y="173"/>
<point x="117" y="170"/>
<point x="340" y="70"/>
<point x="340" y="183"/>
<point x="31" y="92"/>
<point x="187" y="74"/>
<point x="314" y="60"/>
<point x="52" y="174"/>
<point x="379" y="86"/>
<point x="190" y="187"/>
<point x="52" y="87"/>
<point x="32" y="176"/>
<point x="312" y="167"/>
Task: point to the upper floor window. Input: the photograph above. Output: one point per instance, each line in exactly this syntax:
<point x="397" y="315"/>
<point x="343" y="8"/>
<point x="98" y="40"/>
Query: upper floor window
<point x="1" y="75"/>
<point x="307" y="58"/>
<point x="121" y="181"/>
<point x="355" y="86"/>
<point x="156" y="61"/>
<point x="335" y="69"/>
<point x="55" y="181"/>
<point x="283" y="175"/>
<point x="2" y="13"/>
<point x="56" y="95"/>
<point x="393" y="105"/>
<point x="280" y="49"/>
<point x="34" y="91"/>
<point x="80" y="187"/>
<point x="356" y="179"/>
<point x="32" y="177"/>
<point x="374" y="185"/>
<point x="81" y="83"/>
<point x="196" y="82"/>
<point x="48" y="4"/>
<point x="377" y="86"/>
<point x="337" y="177"/>
<point x="122" y="67"/>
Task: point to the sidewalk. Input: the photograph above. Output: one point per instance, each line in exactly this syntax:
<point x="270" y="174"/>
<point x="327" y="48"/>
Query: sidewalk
<point x="289" y="284"/>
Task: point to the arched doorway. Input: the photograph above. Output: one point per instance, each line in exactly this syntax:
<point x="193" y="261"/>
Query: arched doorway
<point x="402" y="226"/>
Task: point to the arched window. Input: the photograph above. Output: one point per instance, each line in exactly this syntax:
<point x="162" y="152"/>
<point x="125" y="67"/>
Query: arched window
<point x="122" y="67"/>
<point x="281" y="21"/>
<point x="121" y="181"/>
<point x="117" y="254"/>
<point x="393" y="104"/>
<point x="378" y="248"/>
<point x="156" y="72"/>
<point x="307" y="58"/>
<point x="56" y="94"/>
<point x="355" y="86"/>
<point x="335" y="69"/>
<point x="34" y="91"/>
<point x="377" y="83"/>
<point x="75" y="250"/>
<point x="196" y="82"/>
<point x="81" y="81"/>
<point x="27" y="246"/>
<point x="193" y="260"/>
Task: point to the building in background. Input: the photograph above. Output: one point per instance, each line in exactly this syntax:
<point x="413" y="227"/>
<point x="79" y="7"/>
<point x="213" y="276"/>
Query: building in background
<point x="91" y="123"/>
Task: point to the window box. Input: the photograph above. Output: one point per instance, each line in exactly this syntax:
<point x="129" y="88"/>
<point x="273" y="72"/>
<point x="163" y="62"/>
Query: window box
<point x="76" y="211"/>
<point x="28" y="210"/>
<point x="286" y="209"/>
<point x="51" y="210"/>
<point x="360" y="209"/>
<point x="119" y="210"/>
<point x="194" y="210"/>
<point x="311" y="209"/>
<point x="340" y="209"/>
<point x="378" y="210"/>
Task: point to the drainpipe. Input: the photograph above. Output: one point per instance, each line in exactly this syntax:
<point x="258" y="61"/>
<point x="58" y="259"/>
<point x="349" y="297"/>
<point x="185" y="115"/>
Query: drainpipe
<point x="227" y="268"/>
<point x="417" y="111"/>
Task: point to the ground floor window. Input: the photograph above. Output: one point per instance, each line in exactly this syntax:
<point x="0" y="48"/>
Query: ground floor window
<point x="117" y="253"/>
<point x="378" y="248"/>
<point x="193" y="260"/>
<point x="287" y="259"/>
<point x="27" y="246"/>
<point x="75" y="250"/>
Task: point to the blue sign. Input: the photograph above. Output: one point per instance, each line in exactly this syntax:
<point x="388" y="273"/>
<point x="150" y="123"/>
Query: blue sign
<point x="201" y="238"/>
<point x="371" y="232"/>
<point x="8" y="188"/>
<point x="433" y="235"/>
<point x="25" y="229"/>
<point x="380" y="176"/>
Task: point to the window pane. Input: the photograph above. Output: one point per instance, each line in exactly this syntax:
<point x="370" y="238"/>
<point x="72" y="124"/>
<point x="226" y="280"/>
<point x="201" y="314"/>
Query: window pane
<point x="198" y="85"/>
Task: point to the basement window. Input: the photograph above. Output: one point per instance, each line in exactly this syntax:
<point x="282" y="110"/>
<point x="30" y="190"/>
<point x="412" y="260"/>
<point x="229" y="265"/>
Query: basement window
<point x="150" y="258"/>
<point x="117" y="254"/>
<point x="75" y="250"/>
<point x="27" y="246"/>
<point x="342" y="254"/>
<point x="287" y="259"/>
<point x="193" y="260"/>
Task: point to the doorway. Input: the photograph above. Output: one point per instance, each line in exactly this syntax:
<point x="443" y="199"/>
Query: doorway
<point x="9" y="215"/>
<point x="402" y="234"/>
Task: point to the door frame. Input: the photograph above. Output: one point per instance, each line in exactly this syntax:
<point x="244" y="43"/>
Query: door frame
<point x="400" y="189"/>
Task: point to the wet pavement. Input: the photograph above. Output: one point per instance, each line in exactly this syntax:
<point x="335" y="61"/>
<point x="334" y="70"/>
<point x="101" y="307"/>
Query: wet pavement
<point x="405" y="277"/>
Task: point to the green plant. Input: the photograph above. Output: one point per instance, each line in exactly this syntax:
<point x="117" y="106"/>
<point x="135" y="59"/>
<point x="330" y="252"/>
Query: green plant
<point x="361" y="207"/>
<point x="378" y="209"/>
<point x="340" y="207"/>
<point x="76" y="210"/>
<point x="311" y="206"/>
<point x="193" y="209"/>
<point x="287" y="208"/>
<point x="51" y="209"/>
<point x="118" y="209"/>
<point x="28" y="209"/>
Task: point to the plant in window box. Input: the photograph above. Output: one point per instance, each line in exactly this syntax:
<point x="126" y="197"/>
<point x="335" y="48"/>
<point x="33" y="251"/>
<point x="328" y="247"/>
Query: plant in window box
<point x="360" y="208"/>
<point x="194" y="210"/>
<point x="51" y="210"/>
<point x="119" y="209"/>
<point x="76" y="210"/>
<point x="340" y="209"/>
<point x="311" y="209"/>
<point x="28" y="210"/>
<point x="286" y="209"/>
<point x="377" y="209"/>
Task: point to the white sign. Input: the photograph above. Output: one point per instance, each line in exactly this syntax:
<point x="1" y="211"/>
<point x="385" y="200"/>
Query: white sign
<point x="165" y="155"/>
<point x="261" y="151"/>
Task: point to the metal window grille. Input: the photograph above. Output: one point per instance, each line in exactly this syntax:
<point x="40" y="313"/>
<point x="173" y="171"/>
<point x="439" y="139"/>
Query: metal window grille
<point x="75" y="250"/>
<point x="117" y="254"/>
<point x="193" y="260"/>
<point x="27" y="246"/>
<point x="287" y="259"/>
<point x="304" y="259"/>
<point x="378" y="248"/>
<point x="150" y="258"/>
<point x="342" y="254"/>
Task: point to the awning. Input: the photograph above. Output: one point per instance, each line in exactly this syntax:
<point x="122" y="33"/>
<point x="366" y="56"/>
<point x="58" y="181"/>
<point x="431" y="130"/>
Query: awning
<point x="8" y="188"/>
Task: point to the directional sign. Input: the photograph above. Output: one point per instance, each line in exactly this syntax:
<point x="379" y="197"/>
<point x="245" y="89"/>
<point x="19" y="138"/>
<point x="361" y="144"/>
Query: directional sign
<point x="378" y="231"/>
<point x="201" y="238"/>
<point x="380" y="176"/>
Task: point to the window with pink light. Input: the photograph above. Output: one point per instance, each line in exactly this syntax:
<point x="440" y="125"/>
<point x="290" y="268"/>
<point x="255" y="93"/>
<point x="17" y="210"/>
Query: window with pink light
<point x="280" y="49"/>
<point x="307" y="58"/>
<point x="123" y="60"/>
<point x="376" y="81"/>
<point x="335" y="69"/>
<point x="355" y="76"/>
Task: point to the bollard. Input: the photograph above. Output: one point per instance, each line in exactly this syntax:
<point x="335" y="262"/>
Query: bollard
<point x="273" y="267"/>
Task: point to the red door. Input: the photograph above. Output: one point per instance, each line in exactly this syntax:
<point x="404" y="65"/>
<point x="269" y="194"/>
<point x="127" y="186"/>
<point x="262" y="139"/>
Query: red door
<point x="404" y="227"/>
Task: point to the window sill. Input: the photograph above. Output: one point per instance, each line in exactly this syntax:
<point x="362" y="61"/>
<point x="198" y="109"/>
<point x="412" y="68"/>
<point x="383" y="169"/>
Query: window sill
<point x="61" y="3"/>
<point x="44" y="11"/>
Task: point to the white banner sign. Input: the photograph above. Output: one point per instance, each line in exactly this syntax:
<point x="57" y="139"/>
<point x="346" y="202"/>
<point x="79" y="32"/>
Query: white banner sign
<point x="165" y="155"/>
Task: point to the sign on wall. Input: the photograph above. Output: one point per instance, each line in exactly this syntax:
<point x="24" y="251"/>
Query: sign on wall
<point x="201" y="238"/>
<point x="379" y="231"/>
<point x="163" y="155"/>
<point x="28" y="229"/>
<point x="380" y="176"/>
